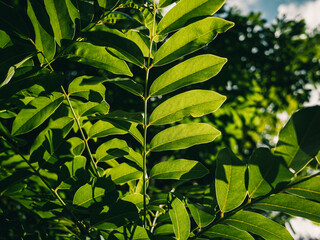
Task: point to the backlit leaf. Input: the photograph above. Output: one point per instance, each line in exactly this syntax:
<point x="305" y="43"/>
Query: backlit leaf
<point x="180" y="219"/>
<point x="203" y="216"/>
<point x="96" y="56"/>
<point x="112" y="149"/>
<point x="183" y="136"/>
<point x="194" y="70"/>
<point x="292" y="205"/>
<point x="190" y="39"/>
<point x="62" y="25"/>
<point x="309" y="188"/>
<point x="43" y="32"/>
<point x="178" y="169"/>
<point x="124" y="173"/>
<point x="35" y="113"/>
<point x="87" y="194"/>
<point x="195" y="103"/>
<point x="230" y="181"/>
<point x="103" y="129"/>
<point x="186" y="12"/>
<point x="227" y="232"/>
<point x="258" y="224"/>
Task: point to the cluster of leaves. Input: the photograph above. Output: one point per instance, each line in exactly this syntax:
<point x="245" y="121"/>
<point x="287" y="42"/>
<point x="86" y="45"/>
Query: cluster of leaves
<point x="60" y="158"/>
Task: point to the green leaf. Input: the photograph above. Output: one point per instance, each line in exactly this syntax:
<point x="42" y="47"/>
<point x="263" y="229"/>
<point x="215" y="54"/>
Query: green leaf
<point x="35" y="113"/>
<point x="86" y="87"/>
<point x="292" y="205"/>
<point x="165" y="3"/>
<point x="44" y="40"/>
<point x="258" y="224"/>
<point x="96" y="56"/>
<point x="299" y="140"/>
<point x="128" y="85"/>
<point x="183" y="136"/>
<point x="203" y="216"/>
<point x="180" y="219"/>
<point x="11" y="58"/>
<point x="103" y="129"/>
<point x="178" y="169"/>
<point x="5" y="40"/>
<point x="266" y="171"/>
<point x="15" y="178"/>
<point x="87" y="194"/>
<point x="117" y="43"/>
<point x="195" y="103"/>
<point x="61" y="22"/>
<point x="79" y="162"/>
<point x="142" y="41"/>
<point x="318" y="157"/>
<point x="166" y="229"/>
<point x="77" y="145"/>
<point x="190" y="39"/>
<point x="115" y="216"/>
<point x="194" y="70"/>
<point x="227" y="232"/>
<point x="308" y="188"/>
<point x="112" y="149"/>
<point x="130" y="232"/>
<point x="135" y="157"/>
<point x="125" y="116"/>
<point x="90" y="108"/>
<point x="124" y="173"/>
<point x="186" y="12"/>
<point x="135" y="198"/>
<point x="120" y="20"/>
<point x="230" y="181"/>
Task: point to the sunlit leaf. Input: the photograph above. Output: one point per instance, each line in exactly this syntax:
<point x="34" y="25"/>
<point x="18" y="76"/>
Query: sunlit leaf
<point x="292" y="205"/>
<point x="195" y="103"/>
<point x="190" y="39"/>
<point x="103" y="129"/>
<point x="227" y="232"/>
<point x="180" y="219"/>
<point x="111" y="149"/>
<point x="96" y="56"/>
<point x="194" y="70"/>
<point x="258" y="224"/>
<point x="124" y="173"/>
<point x="61" y="22"/>
<point x="35" y="113"/>
<point x="44" y="40"/>
<point x="186" y="12"/>
<point x="230" y="181"/>
<point x="178" y="169"/>
<point x="308" y="188"/>
<point x="87" y="194"/>
<point x="183" y="136"/>
<point x="203" y="216"/>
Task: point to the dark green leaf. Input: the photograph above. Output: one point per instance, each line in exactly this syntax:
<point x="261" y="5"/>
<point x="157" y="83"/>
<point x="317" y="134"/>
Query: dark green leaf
<point x="61" y="22"/>
<point x="203" y="216"/>
<point x="230" y="181"/>
<point x="299" y="140"/>
<point x="103" y="129"/>
<point x="195" y="103"/>
<point x="35" y="113"/>
<point x="190" y="39"/>
<point x="142" y="41"/>
<point x="178" y="169"/>
<point x="15" y="178"/>
<point x="124" y="173"/>
<point x="194" y="70"/>
<point x="227" y="232"/>
<point x="112" y="149"/>
<point x="44" y="40"/>
<point x="5" y="40"/>
<point x="292" y="205"/>
<point x="258" y="224"/>
<point x="180" y="219"/>
<point x="186" y="12"/>
<point x="128" y="85"/>
<point x="266" y="171"/>
<point x="120" y="20"/>
<point x="96" y="56"/>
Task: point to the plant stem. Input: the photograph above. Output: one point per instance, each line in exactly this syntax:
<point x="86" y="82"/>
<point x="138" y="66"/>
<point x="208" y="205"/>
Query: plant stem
<point x="92" y="162"/>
